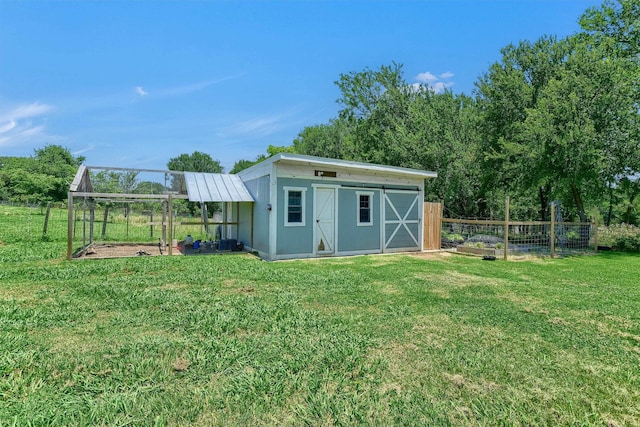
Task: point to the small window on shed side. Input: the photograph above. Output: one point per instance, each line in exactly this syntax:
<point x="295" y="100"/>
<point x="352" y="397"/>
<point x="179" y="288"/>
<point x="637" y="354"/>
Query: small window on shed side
<point x="364" y="203"/>
<point x="294" y="206"/>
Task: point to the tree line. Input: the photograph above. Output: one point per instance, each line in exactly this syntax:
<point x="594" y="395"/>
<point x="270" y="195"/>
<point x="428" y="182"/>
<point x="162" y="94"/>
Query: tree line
<point x="552" y="120"/>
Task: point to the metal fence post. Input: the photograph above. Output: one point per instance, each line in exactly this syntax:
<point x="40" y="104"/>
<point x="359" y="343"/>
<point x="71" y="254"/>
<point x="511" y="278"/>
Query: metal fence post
<point x="506" y="227"/>
<point x="46" y="220"/>
<point x="105" y="217"/>
<point x="553" y="226"/>
<point x="170" y="238"/>
<point x="595" y="229"/>
<point x="92" y="219"/>
<point x="70" y="226"/>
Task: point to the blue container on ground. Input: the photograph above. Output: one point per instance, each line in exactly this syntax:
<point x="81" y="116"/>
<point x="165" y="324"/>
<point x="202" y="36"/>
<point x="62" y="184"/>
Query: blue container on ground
<point x="227" y="244"/>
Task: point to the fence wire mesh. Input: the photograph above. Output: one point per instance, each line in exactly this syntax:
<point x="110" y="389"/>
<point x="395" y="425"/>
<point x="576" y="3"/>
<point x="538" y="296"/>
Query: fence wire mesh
<point x="145" y="223"/>
<point x="517" y="238"/>
<point x="43" y="221"/>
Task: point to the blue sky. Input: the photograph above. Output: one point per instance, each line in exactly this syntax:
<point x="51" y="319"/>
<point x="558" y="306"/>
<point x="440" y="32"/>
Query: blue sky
<point x="135" y="83"/>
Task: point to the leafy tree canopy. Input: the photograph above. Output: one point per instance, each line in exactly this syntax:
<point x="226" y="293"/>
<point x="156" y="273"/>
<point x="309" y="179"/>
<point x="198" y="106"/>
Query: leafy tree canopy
<point x="272" y="150"/>
<point x="195" y="162"/>
<point x="43" y="177"/>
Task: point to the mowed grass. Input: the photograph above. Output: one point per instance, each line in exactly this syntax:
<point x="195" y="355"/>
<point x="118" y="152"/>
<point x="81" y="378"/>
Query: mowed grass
<point x="371" y="340"/>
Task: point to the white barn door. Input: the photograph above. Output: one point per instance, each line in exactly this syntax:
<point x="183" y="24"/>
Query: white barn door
<point x="401" y="229"/>
<point x="325" y="220"/>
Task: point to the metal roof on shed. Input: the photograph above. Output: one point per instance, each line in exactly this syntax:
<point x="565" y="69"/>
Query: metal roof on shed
<point x="216" y="187"/>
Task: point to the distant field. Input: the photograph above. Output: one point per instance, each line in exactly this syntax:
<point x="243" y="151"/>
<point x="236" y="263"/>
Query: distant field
<point x="20" y="224"/>
<point x="371" y="340"/>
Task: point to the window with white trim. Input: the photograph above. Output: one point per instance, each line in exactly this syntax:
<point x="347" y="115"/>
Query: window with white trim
<point x="294" y="198"/>
<point x="364" y="203"/>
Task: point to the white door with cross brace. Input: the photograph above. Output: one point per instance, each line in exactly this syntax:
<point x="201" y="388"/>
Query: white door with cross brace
<point x="324" y="233"/>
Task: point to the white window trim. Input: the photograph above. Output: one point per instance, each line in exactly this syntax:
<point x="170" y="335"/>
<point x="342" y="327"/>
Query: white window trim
<point x="364" y="193"/>
<point x="303" y="202"/>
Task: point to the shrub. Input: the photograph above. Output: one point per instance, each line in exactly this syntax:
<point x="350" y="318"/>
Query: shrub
<point x="453" y="237"/>
<point x="618" y="236"/>
<point x="628" y="243"/>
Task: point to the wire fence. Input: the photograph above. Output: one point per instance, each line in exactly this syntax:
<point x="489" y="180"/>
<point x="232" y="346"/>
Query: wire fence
<point x="502" y="239"/>
<point x="105" y="223"/>
<point x="42" y="221"/>
<point x="505" y="238"/>
<point x="146" y="223"/>
<point x="168" y="224"/>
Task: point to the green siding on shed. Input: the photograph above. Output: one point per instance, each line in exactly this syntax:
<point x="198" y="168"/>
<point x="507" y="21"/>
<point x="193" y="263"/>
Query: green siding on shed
<point x="294" y="239"/>
<point x="351" y="237"/>
<point x="260" y="190"/>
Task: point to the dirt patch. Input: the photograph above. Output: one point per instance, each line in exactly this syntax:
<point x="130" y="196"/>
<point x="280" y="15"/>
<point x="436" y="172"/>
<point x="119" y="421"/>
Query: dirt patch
<point x="430" y="255"/>
<point x="126" y="250"/>
<point x="460" y="381"/>
<point x="387" y="289"/>
<point x="120" y="251"/>
<point x="172" y="286"/>
<point x="181" y="364"/>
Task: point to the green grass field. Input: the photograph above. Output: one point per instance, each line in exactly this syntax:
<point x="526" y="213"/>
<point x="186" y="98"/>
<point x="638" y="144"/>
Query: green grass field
<point x="371" y="340"/>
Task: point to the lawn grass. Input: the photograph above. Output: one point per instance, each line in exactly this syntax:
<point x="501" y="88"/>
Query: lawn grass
<point x="371" y="340"/>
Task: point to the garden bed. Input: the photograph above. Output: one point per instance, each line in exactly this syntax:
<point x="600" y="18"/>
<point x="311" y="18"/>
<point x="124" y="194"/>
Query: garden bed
<point x="472" y="250"/>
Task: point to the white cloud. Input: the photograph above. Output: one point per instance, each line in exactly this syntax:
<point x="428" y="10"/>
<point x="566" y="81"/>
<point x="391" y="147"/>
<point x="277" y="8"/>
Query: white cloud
<point x="90" y="147"/>
<point x="438" y="83"/>
<point x="24" y="112"/>
<point x="262" y="126"/>
<point x="8" y="126"/>
<point x="140" y="91"/>
<point x="440" y="87"/>
<point x="186" y="89"/>
<point x="21" y="135"/>
<point x="426" y="77"/>
<point x="255" y="127"/>
<point x="23" y="125"/>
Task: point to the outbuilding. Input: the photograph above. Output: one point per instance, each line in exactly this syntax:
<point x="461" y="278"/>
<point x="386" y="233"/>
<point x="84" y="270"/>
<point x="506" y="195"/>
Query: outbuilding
<point x="307" y="206"/>
<point x="288" y="206"/>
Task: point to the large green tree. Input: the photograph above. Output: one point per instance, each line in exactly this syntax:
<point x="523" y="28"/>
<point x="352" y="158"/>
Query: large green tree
<point x="43" y="177"/>
<point x="580" y="130"/>
<point x="333" y="139"/>
<point x="507" y="92"/>
<point x="272" y="150"/>
<point x="617" y="21"/>
<point x="560" y="119"/>
<point x="194" y="162"/>
<point x="387" y="121"/>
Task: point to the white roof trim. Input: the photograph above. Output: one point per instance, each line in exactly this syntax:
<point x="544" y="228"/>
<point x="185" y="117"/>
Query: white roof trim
<point x="365" y="167"/>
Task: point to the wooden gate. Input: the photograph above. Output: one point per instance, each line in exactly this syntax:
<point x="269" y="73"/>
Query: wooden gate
<point x="432" y="226"/>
